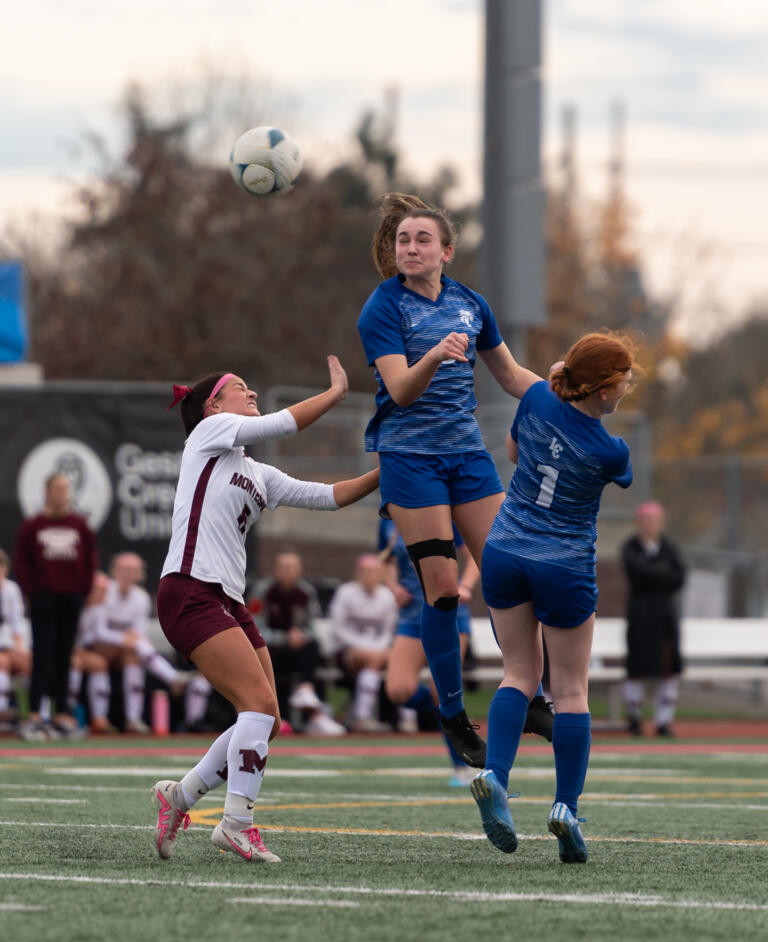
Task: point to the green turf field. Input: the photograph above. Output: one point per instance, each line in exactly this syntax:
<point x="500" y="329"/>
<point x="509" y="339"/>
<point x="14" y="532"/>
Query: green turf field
<point x="378" y="846"/>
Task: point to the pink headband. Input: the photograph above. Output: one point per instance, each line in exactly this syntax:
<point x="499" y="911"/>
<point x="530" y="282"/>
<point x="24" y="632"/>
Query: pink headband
<point x="217" y="388"/>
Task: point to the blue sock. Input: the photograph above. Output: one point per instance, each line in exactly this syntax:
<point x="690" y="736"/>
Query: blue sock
<point x="506" y="718"/>
<point x="456" y="759"/>
<point x="571" y="740"/>
<point x="440" y="637"/>
<point x="420" y="699"/>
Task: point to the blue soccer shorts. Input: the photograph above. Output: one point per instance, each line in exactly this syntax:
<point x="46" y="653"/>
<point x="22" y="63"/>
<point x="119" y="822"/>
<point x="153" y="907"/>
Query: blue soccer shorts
<point x="561" y="597"/>
<point x="413" y="480"/>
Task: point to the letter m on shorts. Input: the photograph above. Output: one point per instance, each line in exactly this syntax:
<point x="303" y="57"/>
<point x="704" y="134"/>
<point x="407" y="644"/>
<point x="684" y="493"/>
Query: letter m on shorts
<point x="252" y="761"/>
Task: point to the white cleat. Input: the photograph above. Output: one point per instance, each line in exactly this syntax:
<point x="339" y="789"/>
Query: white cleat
<point x="230" y="835"/>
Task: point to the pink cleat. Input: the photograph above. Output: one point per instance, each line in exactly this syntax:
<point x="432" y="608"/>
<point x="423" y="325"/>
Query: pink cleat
<point x="170" y="816"/>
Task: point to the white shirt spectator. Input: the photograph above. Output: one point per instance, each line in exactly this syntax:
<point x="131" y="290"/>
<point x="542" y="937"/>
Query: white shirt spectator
<point x="363" y="620"/>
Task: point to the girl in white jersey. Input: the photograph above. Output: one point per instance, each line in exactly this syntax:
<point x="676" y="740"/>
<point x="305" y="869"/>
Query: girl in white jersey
<point x="220" y="493"/>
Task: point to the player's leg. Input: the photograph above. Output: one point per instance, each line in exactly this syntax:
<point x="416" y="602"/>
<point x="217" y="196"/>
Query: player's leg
<point x="474" y="520"/>
<point x="518" y="633"/>
<point x="569" y="653"/>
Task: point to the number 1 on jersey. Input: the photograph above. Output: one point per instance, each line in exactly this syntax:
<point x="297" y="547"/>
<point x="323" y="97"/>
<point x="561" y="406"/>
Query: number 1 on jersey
<point x="548" y="482"/>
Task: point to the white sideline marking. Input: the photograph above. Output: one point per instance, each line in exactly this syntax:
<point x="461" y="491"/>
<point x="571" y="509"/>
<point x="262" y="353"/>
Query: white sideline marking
<point x="294" y="901"/>
<point x="618" y="899"/>
<point x="19" y="908"/>
<point x="50" y="801"/>
<point x="365" y="832"/>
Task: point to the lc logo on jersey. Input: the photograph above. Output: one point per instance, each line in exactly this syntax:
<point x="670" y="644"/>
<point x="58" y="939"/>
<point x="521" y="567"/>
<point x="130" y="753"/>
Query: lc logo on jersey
<point x="466" y="317"/>
<point x="555" y="448"/>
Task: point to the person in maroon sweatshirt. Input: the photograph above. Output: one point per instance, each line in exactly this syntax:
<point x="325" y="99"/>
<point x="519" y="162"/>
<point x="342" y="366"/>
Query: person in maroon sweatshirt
<point x="55" y="560"/>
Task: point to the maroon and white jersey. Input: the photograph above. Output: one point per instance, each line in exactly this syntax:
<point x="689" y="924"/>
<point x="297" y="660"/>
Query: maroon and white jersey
<point x="129" y="612"/>
<point x="12" y="622"/>
<point x="222" y="492"/>
<point x="363" y="620"/>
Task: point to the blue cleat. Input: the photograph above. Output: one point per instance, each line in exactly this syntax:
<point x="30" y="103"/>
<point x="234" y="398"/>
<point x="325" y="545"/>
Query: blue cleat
<point x="565" y="827"/>
<point x="493" y="803"/>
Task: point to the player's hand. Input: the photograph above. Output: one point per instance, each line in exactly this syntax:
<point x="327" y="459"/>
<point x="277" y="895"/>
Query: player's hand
<point x="452" y="347"/>
<point x="339" y="381"/>
<point x="402" y="596"/>
<point x="296" y="638"/>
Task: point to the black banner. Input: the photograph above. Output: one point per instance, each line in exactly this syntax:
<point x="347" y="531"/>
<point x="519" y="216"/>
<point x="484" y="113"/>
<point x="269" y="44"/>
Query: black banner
<point x="120" y="449"/>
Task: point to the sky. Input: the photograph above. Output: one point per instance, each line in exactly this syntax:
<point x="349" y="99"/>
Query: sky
<point x="691" y="75"/>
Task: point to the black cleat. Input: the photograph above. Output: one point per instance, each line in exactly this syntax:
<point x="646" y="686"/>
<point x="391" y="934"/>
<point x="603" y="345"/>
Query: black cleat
<point x="464" y="739"/>
<point x="540" y="719"/>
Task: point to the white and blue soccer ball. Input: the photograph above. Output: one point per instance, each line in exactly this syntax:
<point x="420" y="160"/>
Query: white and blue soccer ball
<point x="265" y="161"/>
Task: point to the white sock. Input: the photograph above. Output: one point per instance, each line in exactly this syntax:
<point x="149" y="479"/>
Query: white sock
<point x="633" y="698"/>
<point x="99" y="688"/>
<point x="246" y="758"/>
<point x="666" y="700"/>
<point x="196" y="696"/>
<point x="73" y="687"/>
<point x="211" y="770"/>
<point x="133" y="691"/>
<point x="5" y="690"/>
<point x="366" y="691"/>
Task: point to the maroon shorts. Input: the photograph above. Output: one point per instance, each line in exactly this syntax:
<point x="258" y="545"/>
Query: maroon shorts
<point x="191" y="611"/>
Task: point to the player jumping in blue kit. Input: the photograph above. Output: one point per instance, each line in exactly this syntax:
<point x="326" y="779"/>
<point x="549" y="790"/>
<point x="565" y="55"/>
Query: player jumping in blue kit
<point x="539" y="568"/>
<point x="423" y="332"/>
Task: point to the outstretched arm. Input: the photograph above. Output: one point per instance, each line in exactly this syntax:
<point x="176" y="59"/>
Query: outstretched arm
<point x="310" y="410"/>
<point x="347" y="492"/>
<point x="513" y="378"/>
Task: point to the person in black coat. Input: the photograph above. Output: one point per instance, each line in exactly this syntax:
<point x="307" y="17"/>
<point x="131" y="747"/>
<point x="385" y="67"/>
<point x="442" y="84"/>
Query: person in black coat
<point x="655" y="574"/>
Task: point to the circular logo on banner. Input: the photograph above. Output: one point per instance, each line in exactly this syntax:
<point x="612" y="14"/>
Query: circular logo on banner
<point x="88" y="478"/>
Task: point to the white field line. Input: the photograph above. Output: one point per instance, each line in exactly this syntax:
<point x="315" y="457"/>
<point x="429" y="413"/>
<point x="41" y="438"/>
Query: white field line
<point x="383" y="832"/>
<point x="19" y="908"/>
<point x="49" y="801"/>
<point x="615" y="800"/>
<point x="617" y="899"/>
<point x="294" y="901"/>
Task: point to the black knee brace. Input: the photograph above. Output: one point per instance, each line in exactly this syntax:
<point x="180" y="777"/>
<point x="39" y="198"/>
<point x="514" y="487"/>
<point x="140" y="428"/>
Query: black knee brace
<point x="425" y="548"/>
<point x="447" y="603"/>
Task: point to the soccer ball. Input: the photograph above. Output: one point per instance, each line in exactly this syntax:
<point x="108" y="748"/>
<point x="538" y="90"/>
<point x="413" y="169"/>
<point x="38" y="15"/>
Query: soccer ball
<point x="265" y="161"/>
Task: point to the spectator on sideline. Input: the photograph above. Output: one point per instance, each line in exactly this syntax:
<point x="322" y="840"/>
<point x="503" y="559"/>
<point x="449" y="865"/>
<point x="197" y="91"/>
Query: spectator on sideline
<point x="94" y="665"/>
<point x="289" y="606"/>
<point x="15" y="656"/>
<point x="655" y="574"/>
<point x="55" y="560"/>
<point x="363" y="616"/>
<point x="116" y="629"/>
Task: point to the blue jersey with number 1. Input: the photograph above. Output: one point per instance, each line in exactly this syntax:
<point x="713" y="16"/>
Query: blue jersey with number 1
<point x="396" y="320"/>
<point x="565" y="459"/>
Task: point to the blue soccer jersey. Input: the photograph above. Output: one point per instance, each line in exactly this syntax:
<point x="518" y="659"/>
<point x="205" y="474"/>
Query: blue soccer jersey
<point x="396" y="320"/>
<point x="565" y="460"/>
